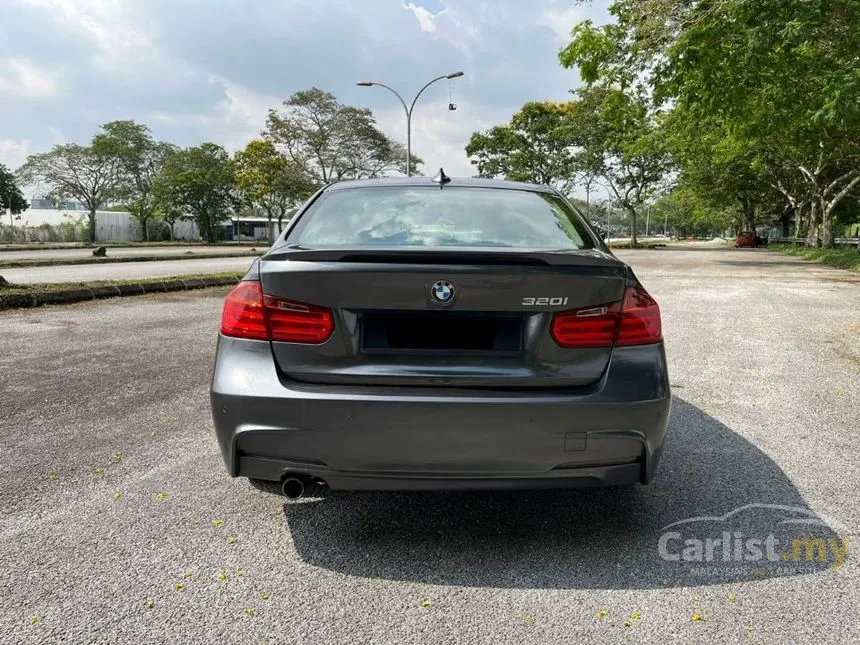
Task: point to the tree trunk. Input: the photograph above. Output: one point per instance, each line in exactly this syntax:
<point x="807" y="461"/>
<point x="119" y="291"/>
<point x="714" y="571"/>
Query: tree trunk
<point x="632" y="211"/>
<point x="92" y="217"/>
<point x="171" y="224"/>
<point x="812" y="230"/>
<point x="798" y="220"/>
<point x="144" y="229"/>
<point x="826" y="230"/>
<point x="784" y="219"/>
<point x="271" y="229"/>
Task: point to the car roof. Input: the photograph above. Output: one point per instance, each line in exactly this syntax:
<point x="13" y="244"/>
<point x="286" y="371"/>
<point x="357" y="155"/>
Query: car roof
<point x="468" y="182"/>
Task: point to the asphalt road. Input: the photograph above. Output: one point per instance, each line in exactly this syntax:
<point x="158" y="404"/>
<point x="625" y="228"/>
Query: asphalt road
<point x="125" y="251"/>
<point x="113" y="494"/>
<point x="123" y="270"/>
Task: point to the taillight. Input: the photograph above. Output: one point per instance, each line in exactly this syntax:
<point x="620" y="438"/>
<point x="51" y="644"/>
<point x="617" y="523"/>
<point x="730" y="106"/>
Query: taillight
<point x="592" y="327"/>
<point x="640" y="319"/>
<point x="295" y="322"/>
<point x="633" y="321"/>
<point x="250" y="314"/>
<point x="243" y="315"/>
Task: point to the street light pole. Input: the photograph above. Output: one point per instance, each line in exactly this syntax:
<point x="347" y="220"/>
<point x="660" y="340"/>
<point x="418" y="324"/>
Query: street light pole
<point x="409" y="110"/>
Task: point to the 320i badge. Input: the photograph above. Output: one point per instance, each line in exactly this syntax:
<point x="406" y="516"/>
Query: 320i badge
<point x="374" y="348"/>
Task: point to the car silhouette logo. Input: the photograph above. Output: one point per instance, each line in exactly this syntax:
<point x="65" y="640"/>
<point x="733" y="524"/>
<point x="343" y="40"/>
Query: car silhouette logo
<point x="442" y="292"/>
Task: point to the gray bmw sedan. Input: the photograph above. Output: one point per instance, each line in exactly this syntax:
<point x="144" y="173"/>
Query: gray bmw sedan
<point x="422" y="333"/>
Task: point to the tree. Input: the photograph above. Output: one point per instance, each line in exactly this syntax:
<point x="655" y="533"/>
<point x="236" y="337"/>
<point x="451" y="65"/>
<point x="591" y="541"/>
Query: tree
<point x="781" y="75"/>
<point x="139" y="159"/>
<point x="270" y="182"/>
<point x="332" y="141"/>
<point x="11" y="197"/>
<point x="622" y="142"/>
<point x="77" y="172"/>
<point x="199" y="182"/>
<point x="535" y="146"/>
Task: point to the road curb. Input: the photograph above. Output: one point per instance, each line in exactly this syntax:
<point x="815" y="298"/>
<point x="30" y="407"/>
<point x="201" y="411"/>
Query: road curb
<point x="69" y="296"/>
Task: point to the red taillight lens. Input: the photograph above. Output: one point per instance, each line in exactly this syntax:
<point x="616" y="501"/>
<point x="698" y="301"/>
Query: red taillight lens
<point x="250" y="314"/>
<point x="633" y="321"/>
<point x="592" y="327"/>
<point x="640" y="319"/>
<point x="294" y="322"/>
<point x="243" y="315"/>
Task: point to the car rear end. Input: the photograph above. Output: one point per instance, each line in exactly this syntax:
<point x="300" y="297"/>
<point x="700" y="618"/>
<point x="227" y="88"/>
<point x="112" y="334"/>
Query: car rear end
<point x="407" y="336"/>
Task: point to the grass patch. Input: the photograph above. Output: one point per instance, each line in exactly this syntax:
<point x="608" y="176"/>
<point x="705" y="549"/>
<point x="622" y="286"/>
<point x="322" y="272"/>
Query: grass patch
<point x="33" y="289"/>
<point x="189" y="255"/>
<point x="841" y="258"/>
<point x="35" y="246"/>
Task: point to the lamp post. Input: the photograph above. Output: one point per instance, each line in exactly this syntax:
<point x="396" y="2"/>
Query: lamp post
<point x="408" y="110"/>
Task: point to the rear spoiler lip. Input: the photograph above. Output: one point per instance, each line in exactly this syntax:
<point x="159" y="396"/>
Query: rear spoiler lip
<point x="448" y="256"/>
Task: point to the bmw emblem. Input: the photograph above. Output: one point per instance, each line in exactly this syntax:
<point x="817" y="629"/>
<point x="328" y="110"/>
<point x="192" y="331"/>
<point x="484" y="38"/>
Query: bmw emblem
<point x="442" y="292"/>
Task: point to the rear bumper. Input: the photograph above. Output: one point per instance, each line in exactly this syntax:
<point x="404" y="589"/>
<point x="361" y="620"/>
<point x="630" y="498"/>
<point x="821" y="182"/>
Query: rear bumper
<point x="384" y="438"/>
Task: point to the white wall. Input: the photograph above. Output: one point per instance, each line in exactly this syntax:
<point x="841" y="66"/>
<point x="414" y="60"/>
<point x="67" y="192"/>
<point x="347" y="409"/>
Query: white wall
<point x="110" y="225"/>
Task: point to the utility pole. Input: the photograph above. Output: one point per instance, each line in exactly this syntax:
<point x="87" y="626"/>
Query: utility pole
<point x="409" y="110"/>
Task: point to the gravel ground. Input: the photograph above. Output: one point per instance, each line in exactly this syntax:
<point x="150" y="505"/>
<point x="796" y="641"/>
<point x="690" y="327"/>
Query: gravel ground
<point x="118" y="523"/>
<point x="124" y="270"/>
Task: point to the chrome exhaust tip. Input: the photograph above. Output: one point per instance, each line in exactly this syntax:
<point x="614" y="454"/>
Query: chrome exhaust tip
<point x="293" y="487"/>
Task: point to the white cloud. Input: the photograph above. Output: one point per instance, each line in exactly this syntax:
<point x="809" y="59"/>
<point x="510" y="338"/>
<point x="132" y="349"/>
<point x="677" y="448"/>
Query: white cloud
<point x="561" y="22"/>
<point x="209" y="71"/>
<point x="232" y="121"/>
<point x="13" y="152"/>
<point x="425" y="18"/>
<point x="21" y="78"/>
<point x="116" y="27"/>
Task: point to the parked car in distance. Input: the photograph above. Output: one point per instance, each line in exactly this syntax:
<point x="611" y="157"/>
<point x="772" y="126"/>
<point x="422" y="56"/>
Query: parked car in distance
<point x="418" y="333"/>
<point x="749" y="239"/>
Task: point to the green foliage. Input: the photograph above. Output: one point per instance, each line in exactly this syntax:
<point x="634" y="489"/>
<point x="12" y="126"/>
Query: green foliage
<point x="139" y="160"/>
<point x="621" y="141"/>
<point x="535" y="146"/>
<point x="270" y="182"/>
<point x="332" y="141"/>
<point x="842" y="258"/>
<point x="763" y="95"/>
<point x="685" y="212"/>
<point x="197" y="182"/>
<point x="10" y="193"/>
<point x="77" y="172"/>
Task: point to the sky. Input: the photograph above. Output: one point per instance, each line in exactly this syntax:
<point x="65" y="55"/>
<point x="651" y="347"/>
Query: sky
<point x="209" y="70"/>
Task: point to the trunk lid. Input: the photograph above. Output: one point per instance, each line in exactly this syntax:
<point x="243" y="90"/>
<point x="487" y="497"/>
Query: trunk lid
<point x="391" y="330"/>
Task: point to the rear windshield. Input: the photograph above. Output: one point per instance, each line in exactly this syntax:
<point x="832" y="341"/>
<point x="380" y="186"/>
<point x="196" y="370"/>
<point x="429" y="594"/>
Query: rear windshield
<point x="433" y="217"/>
